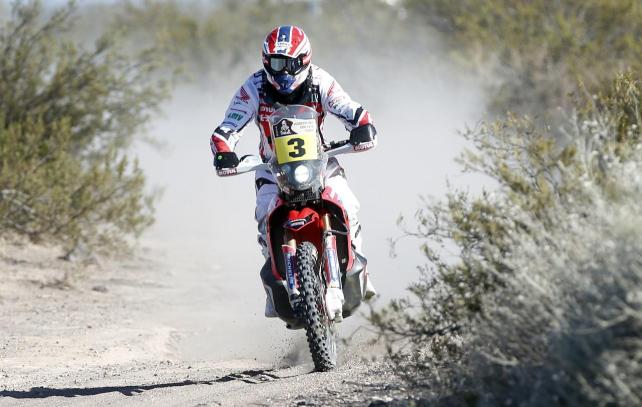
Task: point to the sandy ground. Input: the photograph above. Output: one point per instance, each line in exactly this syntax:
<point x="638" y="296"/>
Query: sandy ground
<point x="135" y="332"/>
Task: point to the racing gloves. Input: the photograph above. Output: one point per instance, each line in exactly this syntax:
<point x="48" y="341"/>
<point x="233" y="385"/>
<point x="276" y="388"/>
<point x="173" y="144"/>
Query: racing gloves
<point x="363" y="137"/>
<point x="224" y="160"/>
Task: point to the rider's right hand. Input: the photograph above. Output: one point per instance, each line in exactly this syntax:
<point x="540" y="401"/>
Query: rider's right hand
<point x="224" y="160"/>
<point x="363" y="134"/>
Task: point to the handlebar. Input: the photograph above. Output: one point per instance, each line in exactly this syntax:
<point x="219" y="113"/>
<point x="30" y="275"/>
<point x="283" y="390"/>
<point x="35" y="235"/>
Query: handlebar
<point x="247" y="163"/>
<point x="250" y="163"/>
<point x="336" y="144"/>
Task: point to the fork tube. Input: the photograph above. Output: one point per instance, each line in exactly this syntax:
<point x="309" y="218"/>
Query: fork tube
<point x="331" y="257"/>
<point x="289" y="251"/>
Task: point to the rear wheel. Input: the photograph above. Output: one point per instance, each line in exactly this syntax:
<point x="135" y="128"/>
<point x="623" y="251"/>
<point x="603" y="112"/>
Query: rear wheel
<point x="319" y="329"/>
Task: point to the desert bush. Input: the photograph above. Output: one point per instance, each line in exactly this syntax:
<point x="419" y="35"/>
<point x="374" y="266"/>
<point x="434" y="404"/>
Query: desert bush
<point x="67" y="116"/>
<point x="197" y="38"/>
<point x="207" y="40"/>
<point x="539" y="50"/>
<point x="531" y="293"/>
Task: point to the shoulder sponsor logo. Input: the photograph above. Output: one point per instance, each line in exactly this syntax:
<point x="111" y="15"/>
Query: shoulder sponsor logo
<point x="243" y="96"/>
<point x="235" y="116"/>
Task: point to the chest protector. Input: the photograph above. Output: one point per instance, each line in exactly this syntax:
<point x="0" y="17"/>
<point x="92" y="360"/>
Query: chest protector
<point x="307" y="94"/>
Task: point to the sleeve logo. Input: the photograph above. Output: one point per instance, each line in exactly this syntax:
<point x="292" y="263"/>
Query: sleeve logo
<point x="243" y="96"/>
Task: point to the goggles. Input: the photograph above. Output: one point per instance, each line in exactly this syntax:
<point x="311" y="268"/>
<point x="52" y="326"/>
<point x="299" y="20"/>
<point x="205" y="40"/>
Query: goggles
<point x="279" y="64"/>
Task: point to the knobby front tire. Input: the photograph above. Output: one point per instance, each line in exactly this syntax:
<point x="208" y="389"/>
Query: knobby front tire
<point x="319" y="329"/>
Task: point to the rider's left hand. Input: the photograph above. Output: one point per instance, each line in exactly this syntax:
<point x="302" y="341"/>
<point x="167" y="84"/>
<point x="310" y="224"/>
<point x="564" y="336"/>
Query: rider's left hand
<point x="224" y="160"/>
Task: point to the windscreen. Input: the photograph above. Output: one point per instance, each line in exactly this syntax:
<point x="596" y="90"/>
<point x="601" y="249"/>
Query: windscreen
<point x="299" y="161"/>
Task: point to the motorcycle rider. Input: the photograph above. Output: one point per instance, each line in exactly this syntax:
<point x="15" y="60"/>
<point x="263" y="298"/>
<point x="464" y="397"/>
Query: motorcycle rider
<point x="288" y="77"/>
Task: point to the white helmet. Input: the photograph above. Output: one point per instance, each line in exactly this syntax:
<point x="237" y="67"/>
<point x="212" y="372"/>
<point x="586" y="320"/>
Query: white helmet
<point x="286" y="58"/>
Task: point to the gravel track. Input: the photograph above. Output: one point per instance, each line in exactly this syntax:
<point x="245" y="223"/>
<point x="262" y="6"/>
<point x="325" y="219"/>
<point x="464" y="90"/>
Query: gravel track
<point x="145" y="331"/>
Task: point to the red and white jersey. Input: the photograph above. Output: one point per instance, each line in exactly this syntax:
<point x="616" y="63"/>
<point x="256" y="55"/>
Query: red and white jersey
<point x="256" y="100"/>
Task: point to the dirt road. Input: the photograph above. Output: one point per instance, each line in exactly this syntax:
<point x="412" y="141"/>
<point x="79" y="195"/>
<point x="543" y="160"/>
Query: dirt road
<point x="158" y="330"/>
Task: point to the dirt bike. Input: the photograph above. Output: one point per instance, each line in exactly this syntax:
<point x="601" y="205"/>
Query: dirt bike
<point x="308" y="231"/>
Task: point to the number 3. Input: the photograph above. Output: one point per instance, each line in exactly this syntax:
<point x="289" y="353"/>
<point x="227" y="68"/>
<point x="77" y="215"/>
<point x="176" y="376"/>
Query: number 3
<point x="298" y="144"/>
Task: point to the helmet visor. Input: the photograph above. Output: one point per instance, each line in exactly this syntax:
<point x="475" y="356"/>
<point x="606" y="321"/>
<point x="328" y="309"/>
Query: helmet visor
<point x="280" y="64"/>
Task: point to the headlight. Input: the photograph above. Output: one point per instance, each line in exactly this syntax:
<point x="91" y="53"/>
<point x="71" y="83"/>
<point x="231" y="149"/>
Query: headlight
<point x="302" y="174"/>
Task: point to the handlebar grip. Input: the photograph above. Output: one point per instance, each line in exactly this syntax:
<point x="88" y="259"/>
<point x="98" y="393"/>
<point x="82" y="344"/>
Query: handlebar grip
<point x="337" y="144"/>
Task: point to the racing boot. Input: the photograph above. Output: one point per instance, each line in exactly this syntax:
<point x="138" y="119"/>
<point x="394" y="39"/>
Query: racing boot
<point x="370" y="290"/>
<point x="270" y="311"/>
<point x="357" y="246"/>
<point x="334" y="303"/>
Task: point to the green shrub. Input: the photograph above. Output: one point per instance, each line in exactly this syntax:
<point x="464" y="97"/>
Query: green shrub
<point x="539" y="50"/>
<point x="67" y="116"/>
<point x="539" y="301"/>
<point x="204" y="39"/>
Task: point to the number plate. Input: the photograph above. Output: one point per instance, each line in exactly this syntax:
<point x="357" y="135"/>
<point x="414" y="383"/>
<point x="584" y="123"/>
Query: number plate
<point x="295" y="140"/>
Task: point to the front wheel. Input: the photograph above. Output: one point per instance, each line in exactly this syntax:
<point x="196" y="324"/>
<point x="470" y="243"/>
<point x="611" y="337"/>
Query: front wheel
<point x="319" y="329"/>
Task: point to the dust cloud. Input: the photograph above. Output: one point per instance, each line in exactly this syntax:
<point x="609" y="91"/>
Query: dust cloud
<point x="205" y="230"/>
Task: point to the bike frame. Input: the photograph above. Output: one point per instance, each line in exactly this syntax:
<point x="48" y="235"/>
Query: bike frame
<point x="325" y="224"/>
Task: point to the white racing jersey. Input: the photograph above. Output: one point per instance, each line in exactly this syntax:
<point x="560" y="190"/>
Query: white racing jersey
<point x="256" y="100"/>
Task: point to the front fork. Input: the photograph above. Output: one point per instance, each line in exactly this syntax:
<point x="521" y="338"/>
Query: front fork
<point x="289" y="257"/>
<point x="330" y="256"/>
